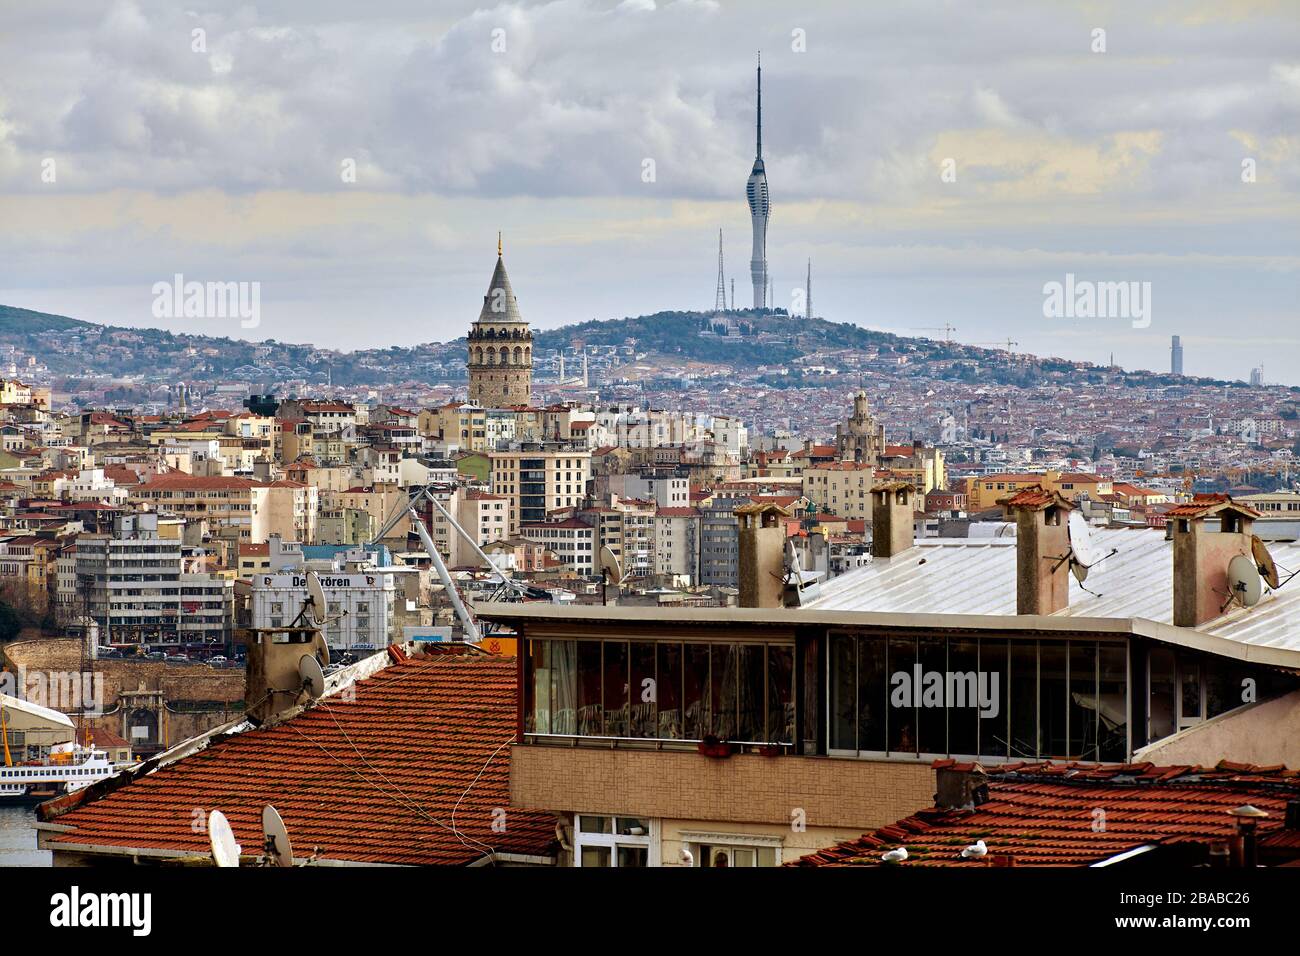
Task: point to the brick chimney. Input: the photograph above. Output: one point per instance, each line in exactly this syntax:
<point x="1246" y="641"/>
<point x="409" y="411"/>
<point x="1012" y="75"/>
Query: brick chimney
<point x="1202" y="553"/>
<point x="893" y="507"/>
<point x="1042" y="549"/>
<point x="959" y="786"/>
<point x="762" y="554"/>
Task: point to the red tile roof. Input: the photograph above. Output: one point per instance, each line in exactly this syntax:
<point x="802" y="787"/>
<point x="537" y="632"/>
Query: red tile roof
<point x="1044" y="814"/>
<point x="376" y="779"/>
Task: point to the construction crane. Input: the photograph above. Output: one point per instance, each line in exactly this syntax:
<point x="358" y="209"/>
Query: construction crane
<point x="507" y="589"/>
<point x="946" y="329"/>
<point x="1008" y="344"/>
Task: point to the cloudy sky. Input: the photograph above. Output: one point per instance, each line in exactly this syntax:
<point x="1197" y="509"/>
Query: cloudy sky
<point x="1171" y="157"/>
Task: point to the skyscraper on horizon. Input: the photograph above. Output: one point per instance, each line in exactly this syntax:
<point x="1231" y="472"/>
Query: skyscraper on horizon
<point x="1176" y="356"/>
<point x="759" y="207"/>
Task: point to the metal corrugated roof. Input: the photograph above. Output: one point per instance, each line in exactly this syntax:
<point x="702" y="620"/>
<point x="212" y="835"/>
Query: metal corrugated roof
<point x="970" y="576"/>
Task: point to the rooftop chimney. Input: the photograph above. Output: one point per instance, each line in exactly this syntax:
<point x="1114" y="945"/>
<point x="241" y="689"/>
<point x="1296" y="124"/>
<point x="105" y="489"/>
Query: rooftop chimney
<point x="960" y="786"/>
<point x="893" y="510"/>
<point x="1042" y="549"/>
<point x="272" y="682"/>
<point x="1202" y="553"/>
<point x="762" y="554"/>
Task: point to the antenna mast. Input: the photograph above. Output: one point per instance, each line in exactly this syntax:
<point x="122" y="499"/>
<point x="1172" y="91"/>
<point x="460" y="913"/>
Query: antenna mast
<point x="720" y="298"/>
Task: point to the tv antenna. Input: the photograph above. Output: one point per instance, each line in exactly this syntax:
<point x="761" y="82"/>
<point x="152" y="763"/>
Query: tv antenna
<point x="313" y="676"/>
<point x="225" y="851"/>
<point x="1084" y="553"/>
<point x="611" y="569"/>
<point x="1268" y="568"/>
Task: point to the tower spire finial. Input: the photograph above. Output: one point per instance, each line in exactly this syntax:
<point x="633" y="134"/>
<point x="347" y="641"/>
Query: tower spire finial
<point x="498" y="243"/>
<point x="760" y="105"/>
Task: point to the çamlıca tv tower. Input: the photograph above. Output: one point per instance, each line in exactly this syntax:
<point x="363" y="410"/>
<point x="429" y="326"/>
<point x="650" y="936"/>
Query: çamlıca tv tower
<point x="759" y="208"/>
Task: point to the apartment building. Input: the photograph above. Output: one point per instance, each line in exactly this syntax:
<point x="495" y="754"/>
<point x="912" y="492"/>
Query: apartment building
<point x="359" y="606"/>
<point x="677" y="544"/>
<point x="572" y="540"/>
<point x="539" y="478"/>
<point x="842" y="488"/>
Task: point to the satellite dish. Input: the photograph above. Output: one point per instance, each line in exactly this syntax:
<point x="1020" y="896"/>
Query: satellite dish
<point x="225" y="851"/>
<point x="610" y="566"/>
<point x="1264" y="561"/>
<point x="1080" y="571"/>
<point x="275" y="838"/>
<point x="1244" y="580"/>
<point x="316" y="604"/>
<point x="1081" y="544"/>
<point x="313" y="677"/>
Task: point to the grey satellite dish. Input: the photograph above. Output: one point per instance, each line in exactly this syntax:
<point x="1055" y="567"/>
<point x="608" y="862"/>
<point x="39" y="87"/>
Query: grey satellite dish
<point x="1080" y="571"/>
<point x="1244" y="580"/>
<point x="225" y="851"/>
<point x="275" y="837"/>
<point x="313" y="677"/>
<point x="315" y="598"/>
<point x="1082" y="547"/>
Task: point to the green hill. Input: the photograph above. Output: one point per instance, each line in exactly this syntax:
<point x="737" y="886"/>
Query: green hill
<point x="20" y="321"/>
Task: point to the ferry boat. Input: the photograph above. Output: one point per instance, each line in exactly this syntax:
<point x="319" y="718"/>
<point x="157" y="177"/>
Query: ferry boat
<point x="69" y="767"/>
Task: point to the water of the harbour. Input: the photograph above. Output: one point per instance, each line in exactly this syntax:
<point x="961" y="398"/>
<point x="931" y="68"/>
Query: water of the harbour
<point x="18" y="837"/>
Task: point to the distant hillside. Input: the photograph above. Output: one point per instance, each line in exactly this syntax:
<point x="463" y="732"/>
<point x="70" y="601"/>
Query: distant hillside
<point x="21" y="321"/>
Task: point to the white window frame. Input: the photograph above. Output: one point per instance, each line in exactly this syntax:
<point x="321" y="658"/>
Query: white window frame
<point x="649" y="840"/>
<point x="695" y="839"/>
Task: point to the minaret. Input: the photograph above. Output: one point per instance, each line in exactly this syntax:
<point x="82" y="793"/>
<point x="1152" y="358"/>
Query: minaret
<point x="720" y="297"/>
<point x="500" y="360"/>
<point x="759" y="207"/>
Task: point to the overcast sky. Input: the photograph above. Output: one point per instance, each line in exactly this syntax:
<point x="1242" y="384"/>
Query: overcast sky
<point x="226" y="163"/>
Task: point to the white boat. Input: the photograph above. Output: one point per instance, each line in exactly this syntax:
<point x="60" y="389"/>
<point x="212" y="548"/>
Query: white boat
<point x="69" y="767"/>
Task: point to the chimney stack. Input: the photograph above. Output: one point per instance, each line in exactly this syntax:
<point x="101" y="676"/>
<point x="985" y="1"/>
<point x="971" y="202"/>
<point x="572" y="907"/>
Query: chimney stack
<point x="1042" y="549"/>
<point x="272" y="682"/>
<point x="893" y="511"/>
<point x="960" y="786"/>
<point x="1201" y="554"/>
<point x="762" y="554"/>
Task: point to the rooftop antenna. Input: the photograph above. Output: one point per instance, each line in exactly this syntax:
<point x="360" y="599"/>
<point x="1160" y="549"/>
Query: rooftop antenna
<point x="1245" y="583"/>
<point x="277" y="850"/>
<point x="610" y="569"/>
<point x="1268" y="568"/>
<point x="720" y="299"/>
<point x="807" y="299"/>
<point x="312" y="675"/>
<point x="733" y="293"/>
<point x="759" y="127"/>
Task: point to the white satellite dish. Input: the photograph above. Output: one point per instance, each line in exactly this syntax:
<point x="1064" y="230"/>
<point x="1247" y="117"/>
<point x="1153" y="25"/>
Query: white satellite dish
<point x="1080" y="571"/>
<point x="313" y="677"/>
<point x="1082" y="547"/>
<point x="275" y="838"/>
<point x="316" y="604"/>
<point x="225" y="851"/>
<point x="610" y="566"/>
<point x="1244" y="581"/>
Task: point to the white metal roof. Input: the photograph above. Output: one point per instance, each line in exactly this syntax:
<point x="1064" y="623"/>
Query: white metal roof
<point x="35" y="710"/>
<point x="978" y="576"/>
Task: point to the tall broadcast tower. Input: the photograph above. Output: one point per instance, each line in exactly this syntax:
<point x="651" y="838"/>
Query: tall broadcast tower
<point x="720" y="297"/>
<point x="759" y="208"/>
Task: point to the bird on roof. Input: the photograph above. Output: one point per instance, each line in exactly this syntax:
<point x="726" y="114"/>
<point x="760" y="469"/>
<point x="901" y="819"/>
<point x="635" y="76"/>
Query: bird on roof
<point x="687" y="858"/>
<point x="895" y="856"/>
<point x="975" y="851"/>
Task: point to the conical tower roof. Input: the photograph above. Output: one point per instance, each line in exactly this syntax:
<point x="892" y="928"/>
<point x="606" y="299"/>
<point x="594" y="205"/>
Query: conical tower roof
<point x="499" y="305"/>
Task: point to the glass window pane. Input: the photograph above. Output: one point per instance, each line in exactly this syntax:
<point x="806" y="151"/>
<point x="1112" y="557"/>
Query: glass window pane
<point x="873" y="694"/>
<point x="723" y="680"/>
<point x="1189" y="677"/>
<point x="1083" y="700"/>
<point x="812" y="712"/>
<point x="644" y="690"/>
<point x="1112" y="704"/>
<point x="616" y="690"/>
<point x="695" y="700"/>
<point x="1161" y="720"/>
<point x="637" y="856"/>
<point x="590" y="824"/>
<point x="744" y="856"/>
<point x="932" y="718"/>
<point x="767" y="856"/>
<point x="669" y="691"/>
<point x="595" y="856"/>
<point x="780" y="694"/>
<point x="591" y="719"/>
<point x="993" y="721"/>
<point x="1053" y="699"/>
<point x="964" y="709"/>
<point x="1024" y="699"/>
<point x="631" y="826"/>
<point x="537" y="689"/>
<point x="564" y="687"/>
<point x="843" y="692"/>
<point x="902" y="708"/>
<point x="750" y="691"/>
